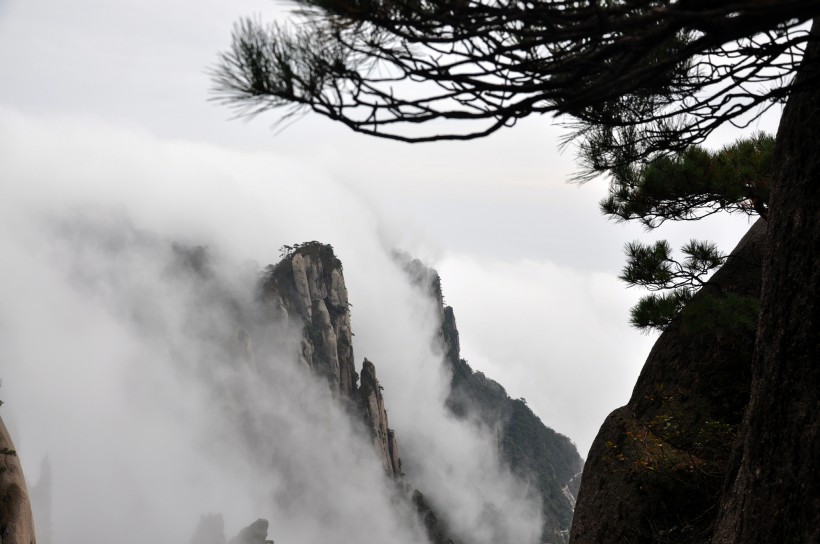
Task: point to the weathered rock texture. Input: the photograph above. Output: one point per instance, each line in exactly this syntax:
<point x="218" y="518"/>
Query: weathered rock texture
<point x="535" y="453"/>
<point x="307" y="290"/>
<point x="375" y="416"/>
<point x="308" y="287"/>
<point x="16" y="521"/>
<point x="775" y="495"/>
<point x="656" y="469"/>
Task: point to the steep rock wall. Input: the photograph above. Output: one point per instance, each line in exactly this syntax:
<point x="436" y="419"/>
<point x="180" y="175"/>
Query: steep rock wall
<point x="375" y="416"/>
<point x="308" y="288"/>
<point x="657" y="466"/>
<point x="16" y="521"/>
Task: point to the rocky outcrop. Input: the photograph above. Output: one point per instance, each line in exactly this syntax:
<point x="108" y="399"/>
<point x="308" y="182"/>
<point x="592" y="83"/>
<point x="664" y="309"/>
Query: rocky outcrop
<point x="255" y="533"/>
<point x="375" y="416"/>
<point x="656" y="469"/>
<point x="307" y="290"/>
<point x="534" y="452"/>
<point x="16" y="521"/>
<point x="308" y="287"/>
<point x="436" y="531"/>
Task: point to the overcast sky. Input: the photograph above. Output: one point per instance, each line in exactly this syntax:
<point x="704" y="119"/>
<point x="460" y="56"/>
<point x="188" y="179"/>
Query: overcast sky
<point x="526" y="259"/>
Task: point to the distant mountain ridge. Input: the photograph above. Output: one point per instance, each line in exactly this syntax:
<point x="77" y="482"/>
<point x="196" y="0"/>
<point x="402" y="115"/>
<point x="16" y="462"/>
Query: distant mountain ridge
<point x="537" y="454"/>
<point x="307" y="290"/>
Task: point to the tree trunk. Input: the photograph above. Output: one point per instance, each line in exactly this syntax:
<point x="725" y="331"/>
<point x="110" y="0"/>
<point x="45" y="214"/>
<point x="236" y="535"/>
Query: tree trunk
<point x="774" y="496"/>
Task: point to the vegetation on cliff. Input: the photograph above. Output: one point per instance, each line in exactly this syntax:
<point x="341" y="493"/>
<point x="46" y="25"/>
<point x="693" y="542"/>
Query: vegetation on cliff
<point x="640" y="80"/>
<point x="538" y="455"/>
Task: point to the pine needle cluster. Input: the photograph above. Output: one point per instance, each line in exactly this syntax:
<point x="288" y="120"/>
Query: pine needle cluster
<point x="682" y="187"/>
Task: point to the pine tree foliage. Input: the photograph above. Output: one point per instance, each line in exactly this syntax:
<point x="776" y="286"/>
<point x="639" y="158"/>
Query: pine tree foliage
<point x="682" y="187"/>
<point x="654" y="268"/>
<point x="692" y="184"/>
<point x="668" y="71"/>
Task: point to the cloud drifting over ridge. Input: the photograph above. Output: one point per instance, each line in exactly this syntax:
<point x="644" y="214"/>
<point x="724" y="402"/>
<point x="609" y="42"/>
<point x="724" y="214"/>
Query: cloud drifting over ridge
<point x="114" y="367"/>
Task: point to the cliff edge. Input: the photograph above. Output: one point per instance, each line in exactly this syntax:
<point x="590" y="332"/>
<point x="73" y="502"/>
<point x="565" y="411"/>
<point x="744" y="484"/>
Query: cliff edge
<point x="657" y="466"/>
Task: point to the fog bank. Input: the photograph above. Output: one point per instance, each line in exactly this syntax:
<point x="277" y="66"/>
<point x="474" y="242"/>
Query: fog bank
<point x="121" y="364"/>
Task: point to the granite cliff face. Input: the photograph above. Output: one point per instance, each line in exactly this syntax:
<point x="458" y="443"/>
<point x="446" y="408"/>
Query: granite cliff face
<point x="537" y="454"/>
<point x="656" y="469"/>
<point x="372" y="405"/>
<point x="307" y="288"/>
<point x="16" y="521"/>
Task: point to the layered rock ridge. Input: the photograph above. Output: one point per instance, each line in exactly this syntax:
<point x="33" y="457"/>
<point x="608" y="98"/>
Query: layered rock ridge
<point x="372" y="405"/>
<point x="655" y="471"/>
<point x="537" y="454"/>
<point x="307" y="287"/>
<point x="311" y="277"/>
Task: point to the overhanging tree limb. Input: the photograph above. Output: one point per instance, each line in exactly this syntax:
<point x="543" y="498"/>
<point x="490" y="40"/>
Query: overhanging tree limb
<point x="676" y="69"/>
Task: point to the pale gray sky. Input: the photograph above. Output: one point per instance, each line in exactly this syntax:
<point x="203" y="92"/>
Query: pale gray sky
<point x="527" y="261"/>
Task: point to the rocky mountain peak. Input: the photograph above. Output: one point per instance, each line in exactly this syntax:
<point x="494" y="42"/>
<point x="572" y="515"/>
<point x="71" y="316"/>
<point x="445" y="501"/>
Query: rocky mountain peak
<point x="308" y="287"/>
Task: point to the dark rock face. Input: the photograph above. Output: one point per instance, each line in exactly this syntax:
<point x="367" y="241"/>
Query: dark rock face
<point x="16" y="521"/>
<point x="775" y="492"/>
<point x="255" y="533"/>
<point x="375" y="416"/>
<point x="435" y="528"/>
<point x="656" y="469"/>
<point x="534" y="452"/>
